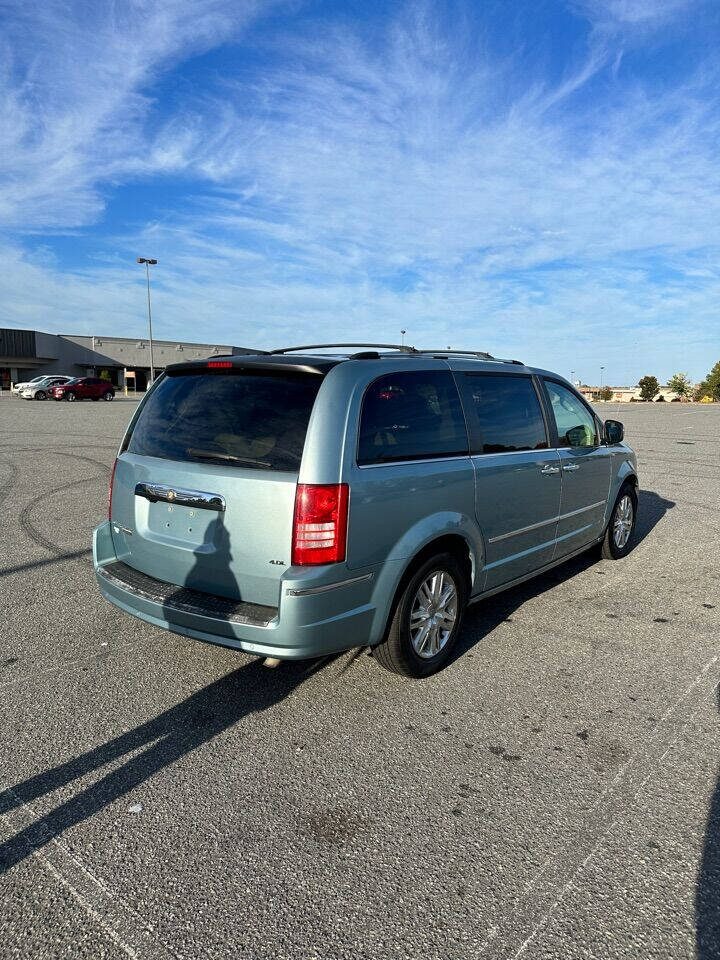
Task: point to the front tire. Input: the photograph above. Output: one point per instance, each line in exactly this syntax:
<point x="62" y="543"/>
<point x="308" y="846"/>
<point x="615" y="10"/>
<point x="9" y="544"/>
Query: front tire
<point x="618" y="539"/>
<point x="41" y="395"/>
<point x="108" y="395"/>
<point x="70" y="397"/>
<point x="426" y="620"/>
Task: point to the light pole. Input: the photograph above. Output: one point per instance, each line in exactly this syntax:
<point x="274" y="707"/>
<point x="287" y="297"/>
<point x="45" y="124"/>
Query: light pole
<point x="602" y="370"/>
<point x="402" y="334"/>
<point x="572" y="377"/>
<point x="148" y="261"/>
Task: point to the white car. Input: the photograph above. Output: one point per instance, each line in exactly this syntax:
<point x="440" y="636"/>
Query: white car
<point x="38" y="389"/>
<point x="19" y="387"/>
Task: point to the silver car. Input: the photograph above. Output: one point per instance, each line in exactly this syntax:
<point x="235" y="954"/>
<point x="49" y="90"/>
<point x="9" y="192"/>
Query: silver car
<point x="39" y="389"/>
<point x="298" y="505"/>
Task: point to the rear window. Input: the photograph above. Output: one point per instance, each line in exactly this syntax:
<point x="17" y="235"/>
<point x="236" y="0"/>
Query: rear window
<point x="411" y="415"/>
<point x="241" y="419"/>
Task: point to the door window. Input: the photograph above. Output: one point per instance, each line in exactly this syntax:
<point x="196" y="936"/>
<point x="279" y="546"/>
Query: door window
<point x="504" y="413"/>
<point x="412" y="415"/>
<point x="575" y="423"/>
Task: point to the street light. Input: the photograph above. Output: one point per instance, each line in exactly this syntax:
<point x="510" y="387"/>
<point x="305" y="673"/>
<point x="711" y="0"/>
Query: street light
<point x="148" y="262"/>
<point x="402" y="333"/>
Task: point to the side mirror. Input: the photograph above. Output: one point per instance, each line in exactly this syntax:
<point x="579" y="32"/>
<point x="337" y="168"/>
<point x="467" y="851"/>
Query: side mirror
<point x="614" y="431"/>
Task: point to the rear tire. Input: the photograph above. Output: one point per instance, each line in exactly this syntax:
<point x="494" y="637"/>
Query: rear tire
<point x="426" y="619"/>
<point x="108" y="395"/>
<point x="70" y="397"/>
<point x="618" y="539"/>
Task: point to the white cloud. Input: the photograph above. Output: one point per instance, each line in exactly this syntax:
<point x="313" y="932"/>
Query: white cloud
<point x="360" y="186"/>
<point x="76" y="90"/>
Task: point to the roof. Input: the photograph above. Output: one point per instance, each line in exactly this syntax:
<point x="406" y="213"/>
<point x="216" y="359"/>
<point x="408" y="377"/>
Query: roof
<point x="306" y="360"/>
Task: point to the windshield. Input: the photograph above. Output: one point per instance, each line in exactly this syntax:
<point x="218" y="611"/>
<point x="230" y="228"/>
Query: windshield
<point x="243" y="419"/>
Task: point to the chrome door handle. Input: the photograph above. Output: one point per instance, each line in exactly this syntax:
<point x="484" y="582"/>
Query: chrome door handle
<point x="570" y="466"/>
<point x="548" y="470"/>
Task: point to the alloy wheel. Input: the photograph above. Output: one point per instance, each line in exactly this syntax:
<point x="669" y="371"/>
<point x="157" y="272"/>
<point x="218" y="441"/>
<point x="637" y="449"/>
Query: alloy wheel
<point x="433" y="614"/>
<point x="623" y="523"/>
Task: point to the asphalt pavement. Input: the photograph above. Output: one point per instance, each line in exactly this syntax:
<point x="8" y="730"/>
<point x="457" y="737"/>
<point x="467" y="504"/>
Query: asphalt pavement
<point x="551" y="794"/>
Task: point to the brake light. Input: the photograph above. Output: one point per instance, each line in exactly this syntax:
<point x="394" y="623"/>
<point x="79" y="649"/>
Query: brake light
<point x="110" y="489"/>
<point x="215" y="364"/>
<point x="320" y="523"/>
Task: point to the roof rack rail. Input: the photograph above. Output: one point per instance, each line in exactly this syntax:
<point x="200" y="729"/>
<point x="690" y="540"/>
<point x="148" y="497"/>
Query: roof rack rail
<point x="404" y="348"/>
<point x="480" y="354"/>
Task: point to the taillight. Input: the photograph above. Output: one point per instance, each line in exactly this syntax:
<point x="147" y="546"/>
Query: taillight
<point x="320" y="524"/>
<point x="110" y="489"/>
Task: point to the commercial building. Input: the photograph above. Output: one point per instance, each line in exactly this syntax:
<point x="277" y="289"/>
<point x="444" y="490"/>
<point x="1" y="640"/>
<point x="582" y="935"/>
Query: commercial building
<point x="623" y="394"/>
<point x="25" y="354"/>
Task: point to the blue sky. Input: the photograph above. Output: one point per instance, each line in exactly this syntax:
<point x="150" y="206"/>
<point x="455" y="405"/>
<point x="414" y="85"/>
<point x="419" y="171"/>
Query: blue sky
<point x="536" y="178"/>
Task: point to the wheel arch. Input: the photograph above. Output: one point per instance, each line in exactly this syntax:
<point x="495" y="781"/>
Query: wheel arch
<point x="452" y="543"/>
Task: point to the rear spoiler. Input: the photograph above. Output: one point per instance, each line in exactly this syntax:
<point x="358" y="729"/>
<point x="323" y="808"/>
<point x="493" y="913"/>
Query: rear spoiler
<point x="254" y="364"/>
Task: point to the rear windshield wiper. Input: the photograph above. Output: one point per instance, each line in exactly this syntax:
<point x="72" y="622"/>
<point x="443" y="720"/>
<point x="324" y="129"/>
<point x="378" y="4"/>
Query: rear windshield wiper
<point x="218" y="455"/>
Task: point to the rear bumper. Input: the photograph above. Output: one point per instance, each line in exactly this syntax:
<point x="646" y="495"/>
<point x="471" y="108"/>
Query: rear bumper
<point x="314" y="618"/>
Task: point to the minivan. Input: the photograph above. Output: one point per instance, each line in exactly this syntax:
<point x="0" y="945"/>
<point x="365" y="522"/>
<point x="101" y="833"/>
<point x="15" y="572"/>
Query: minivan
<point x="299" y="503"/>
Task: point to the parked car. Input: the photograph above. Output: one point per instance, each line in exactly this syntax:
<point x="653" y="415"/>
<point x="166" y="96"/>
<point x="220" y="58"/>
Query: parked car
<point x="84" y="388"/>
<point x="295" y="506"/>
<point x="39" y="389"/>
<point x="24" y="384"/>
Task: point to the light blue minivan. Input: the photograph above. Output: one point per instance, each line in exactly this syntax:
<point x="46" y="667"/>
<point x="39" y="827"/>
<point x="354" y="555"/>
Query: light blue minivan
<point x="302" y="502"/>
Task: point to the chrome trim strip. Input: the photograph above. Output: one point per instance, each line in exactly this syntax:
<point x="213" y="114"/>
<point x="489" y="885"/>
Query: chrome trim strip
<point x="544" y="523"/>
<point x="515" y="533"/>
<point x="574" y="513"/>
<point x="186" y="498"/>
<point x="402" y="463"/>
<point x="311" y="591"/>
<point x="544" y="451"/>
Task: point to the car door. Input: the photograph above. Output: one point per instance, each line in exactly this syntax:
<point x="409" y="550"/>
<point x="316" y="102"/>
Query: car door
<point x="586" y="468"/>
<point x="517" y="473"/>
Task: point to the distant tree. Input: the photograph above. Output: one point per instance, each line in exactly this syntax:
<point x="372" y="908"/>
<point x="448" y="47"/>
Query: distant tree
<point x="649" y="387"/>
<point x="710" y="386"/>
<point x="606" y="393"/>
<point x="680" y="384"/>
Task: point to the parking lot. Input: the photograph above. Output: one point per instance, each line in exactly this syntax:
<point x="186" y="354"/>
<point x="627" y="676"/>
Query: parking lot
<point x="553" y="793"/>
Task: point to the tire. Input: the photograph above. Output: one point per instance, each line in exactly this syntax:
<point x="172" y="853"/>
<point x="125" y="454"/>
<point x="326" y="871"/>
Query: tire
<point x="41" y="395"/>
<point x="108" y="395"/>
<point x="70" y="397"/>
<point x="405" y="649"/>
<point x="618" y="539"/>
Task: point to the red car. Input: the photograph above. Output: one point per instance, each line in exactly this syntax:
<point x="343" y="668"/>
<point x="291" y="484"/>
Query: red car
<point x="83" y="388"/>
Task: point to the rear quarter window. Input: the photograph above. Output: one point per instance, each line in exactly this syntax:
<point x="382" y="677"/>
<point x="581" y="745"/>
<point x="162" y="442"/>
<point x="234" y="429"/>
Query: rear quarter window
<point x="412" y="415"/>
<point x="241" y="419"/>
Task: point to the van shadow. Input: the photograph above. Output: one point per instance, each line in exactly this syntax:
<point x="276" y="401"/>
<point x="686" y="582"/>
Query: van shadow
<point x="167" y="738"/>
<point x="485" y="616"/>
<point x="707" y="891"/>
<point x="163" y="740"/>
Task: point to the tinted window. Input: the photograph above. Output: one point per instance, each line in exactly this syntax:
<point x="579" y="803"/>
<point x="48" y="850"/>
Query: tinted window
<point x="575" y="423"/>
<point x="411" y="416"/>
<point x="505" y="413"/>
<point x="242" y="419"/>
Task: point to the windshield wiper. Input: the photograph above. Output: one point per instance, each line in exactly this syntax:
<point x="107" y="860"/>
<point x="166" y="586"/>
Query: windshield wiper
<point x="219" y="455"/>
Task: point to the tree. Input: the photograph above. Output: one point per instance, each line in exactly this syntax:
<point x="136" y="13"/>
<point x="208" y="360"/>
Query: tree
<point x="649" y="387"/>
<point x="605" y="393"/>
<point x="680" y="384"/>
<point x="710" y="386"/>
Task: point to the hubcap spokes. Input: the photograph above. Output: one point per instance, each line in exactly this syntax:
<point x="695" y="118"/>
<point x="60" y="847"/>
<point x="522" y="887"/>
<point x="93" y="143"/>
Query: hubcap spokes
<point x="622" y="527"/>
<point x="433" y="614"/>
